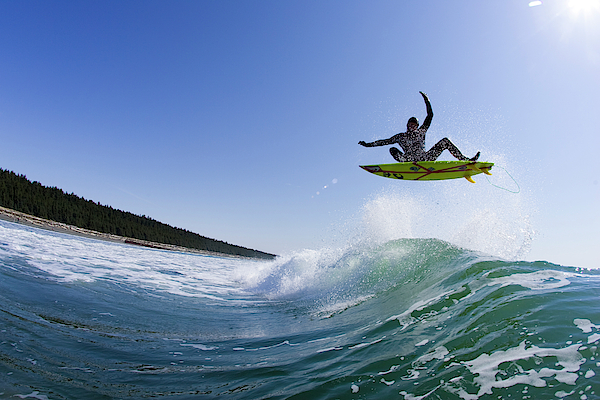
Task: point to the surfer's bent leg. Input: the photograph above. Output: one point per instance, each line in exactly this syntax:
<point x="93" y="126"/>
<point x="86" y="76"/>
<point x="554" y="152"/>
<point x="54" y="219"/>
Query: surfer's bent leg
<point x="446" y="144"/>
<point x="397" y="154"/>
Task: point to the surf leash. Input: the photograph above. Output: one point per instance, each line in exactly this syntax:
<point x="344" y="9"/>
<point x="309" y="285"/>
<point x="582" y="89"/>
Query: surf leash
<point x="503" y="188"/>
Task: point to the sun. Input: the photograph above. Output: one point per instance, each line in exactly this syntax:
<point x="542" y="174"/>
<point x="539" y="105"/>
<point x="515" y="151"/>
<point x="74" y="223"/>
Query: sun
<point x="583" y="7"/>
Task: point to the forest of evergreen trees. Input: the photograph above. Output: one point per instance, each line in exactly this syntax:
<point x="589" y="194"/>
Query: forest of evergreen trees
<point x="18" y="193"/>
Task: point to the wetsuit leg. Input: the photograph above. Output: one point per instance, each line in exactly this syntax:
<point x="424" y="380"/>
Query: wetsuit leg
<point x="397" y="154"/>
<point x="446" y="144"/>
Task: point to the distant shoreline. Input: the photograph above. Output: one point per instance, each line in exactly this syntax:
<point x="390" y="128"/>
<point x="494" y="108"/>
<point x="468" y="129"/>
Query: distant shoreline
<point x="9" y="215"/>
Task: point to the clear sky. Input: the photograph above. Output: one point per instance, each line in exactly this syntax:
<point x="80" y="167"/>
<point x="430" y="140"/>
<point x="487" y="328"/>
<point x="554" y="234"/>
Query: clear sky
<point x="239" y="120"/>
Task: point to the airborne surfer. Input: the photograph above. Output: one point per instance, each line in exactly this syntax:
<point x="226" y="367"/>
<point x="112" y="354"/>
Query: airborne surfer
<point x="413" y="141"/>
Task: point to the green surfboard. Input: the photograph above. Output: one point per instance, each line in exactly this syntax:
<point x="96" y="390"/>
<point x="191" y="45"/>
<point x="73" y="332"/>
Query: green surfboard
<point x="430" y="170"/>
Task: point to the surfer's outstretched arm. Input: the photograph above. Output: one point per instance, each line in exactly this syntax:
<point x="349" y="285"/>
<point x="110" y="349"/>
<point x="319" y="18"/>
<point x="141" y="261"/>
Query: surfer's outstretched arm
<point x="382" y="142"/>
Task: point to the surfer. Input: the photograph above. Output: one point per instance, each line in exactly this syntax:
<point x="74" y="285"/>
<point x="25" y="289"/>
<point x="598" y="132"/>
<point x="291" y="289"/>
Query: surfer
<point x="413" y="141"/>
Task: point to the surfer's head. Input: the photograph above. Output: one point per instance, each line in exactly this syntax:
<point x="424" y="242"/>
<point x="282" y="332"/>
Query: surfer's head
<point x="412" y="124"/>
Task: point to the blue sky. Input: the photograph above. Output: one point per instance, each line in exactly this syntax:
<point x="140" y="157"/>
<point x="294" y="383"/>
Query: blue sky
<point x="239" y="120"/>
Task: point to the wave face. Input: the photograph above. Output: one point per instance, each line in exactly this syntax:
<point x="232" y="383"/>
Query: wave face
<point x="410" y="318"/>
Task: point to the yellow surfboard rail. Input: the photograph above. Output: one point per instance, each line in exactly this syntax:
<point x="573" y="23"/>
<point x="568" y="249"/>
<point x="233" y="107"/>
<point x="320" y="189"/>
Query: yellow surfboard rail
<point x="430" y="170"/>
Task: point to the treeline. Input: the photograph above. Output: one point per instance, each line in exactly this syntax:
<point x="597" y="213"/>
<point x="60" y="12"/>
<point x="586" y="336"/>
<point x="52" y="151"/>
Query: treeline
<point x="18" y="193"/>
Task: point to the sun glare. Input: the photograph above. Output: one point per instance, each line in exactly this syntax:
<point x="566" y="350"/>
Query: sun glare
<point x="584" y="7"/>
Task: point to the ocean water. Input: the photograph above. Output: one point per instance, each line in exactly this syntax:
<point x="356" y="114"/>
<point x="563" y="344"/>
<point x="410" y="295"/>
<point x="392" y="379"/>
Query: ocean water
<point x="394" y="318"/>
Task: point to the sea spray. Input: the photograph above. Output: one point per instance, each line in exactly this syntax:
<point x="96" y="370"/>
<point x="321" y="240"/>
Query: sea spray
<point x="476" y="218"/>
<point x="495" y="226"/>
<point x="389" y="216"/>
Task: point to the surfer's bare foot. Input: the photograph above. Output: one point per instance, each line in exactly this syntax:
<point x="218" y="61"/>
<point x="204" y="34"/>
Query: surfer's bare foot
<point x="476" y="157"/>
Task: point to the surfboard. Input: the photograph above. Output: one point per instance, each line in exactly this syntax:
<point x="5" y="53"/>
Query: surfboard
<point x="430" y="170"/>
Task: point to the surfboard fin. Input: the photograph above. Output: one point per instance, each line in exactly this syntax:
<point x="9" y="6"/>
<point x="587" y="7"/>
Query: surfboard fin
<point x="469" y="178"/>
<point x="486" y="171"/>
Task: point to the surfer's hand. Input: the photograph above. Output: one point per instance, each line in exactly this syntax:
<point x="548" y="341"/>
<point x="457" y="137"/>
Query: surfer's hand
<point x="362" y="143"/>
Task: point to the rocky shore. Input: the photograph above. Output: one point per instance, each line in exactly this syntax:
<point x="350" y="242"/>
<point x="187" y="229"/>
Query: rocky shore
<point x="15" y="216"/>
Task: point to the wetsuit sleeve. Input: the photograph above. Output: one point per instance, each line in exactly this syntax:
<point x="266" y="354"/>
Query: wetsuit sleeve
<point x="429" y="117"/>
<point x="382" y="142"/>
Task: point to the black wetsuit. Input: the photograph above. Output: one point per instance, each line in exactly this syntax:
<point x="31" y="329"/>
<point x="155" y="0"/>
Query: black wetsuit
<point x="413" y="142"/>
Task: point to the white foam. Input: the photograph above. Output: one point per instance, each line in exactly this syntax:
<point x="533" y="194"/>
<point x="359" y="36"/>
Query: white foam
<point x="439" y="353"/>
<point x="585" y="325"/>
<point x="33" y="395"/>
<point x="199" y="346"/>
<point x="361" y="345"/>
<point x="589" y="374"/>
<point x="284" y="343"/>
<point x="406" y="319"/>
<point x="562" y="394"/>
<point x="538" y="280"/>
<point x="328" y="349"/>
<point x="69" y="258"/>
<point x="488" y="375"/>
<point x="290" y="274"/>
<point x="594" y="338"/>
<point x="393" y="368"/>
<point x="388" y="383"/>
